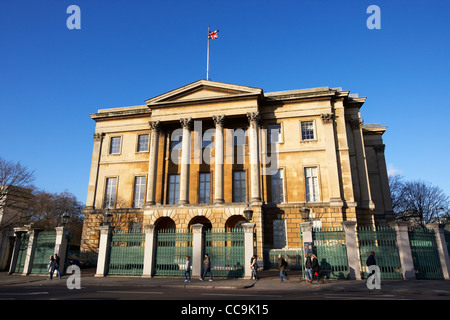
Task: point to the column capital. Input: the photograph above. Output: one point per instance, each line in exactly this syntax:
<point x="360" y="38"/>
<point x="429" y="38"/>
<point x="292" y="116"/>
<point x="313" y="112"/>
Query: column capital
<point x="219" y="120"/>
<point x="155" y="125"/>
<point x="253" y="117"/>
<point x="186" y="123"/>
<point x="379" y="147"/>
<point x="98" y="136"/>
<point x="356" y="123"/>
<point x="327" y="117"/>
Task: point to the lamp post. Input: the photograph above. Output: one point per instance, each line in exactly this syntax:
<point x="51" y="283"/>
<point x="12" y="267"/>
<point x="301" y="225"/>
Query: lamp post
<point x="107" y="218"/>
<point x="305" y="213"/>
<point x="248" y="213"/>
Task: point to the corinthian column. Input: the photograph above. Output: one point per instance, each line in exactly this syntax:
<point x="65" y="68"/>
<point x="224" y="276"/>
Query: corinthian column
<point x="153" y="161"/>
<point x="218" y="159"/>
<point x="185" y="160"/>
<point x="255" y="190"/>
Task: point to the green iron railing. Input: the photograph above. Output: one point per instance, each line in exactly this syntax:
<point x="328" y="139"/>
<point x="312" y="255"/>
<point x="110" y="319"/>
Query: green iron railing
<point x="226" y="251"/>
<point x="330" y="249"/>
<point x="425" y="253"/>
<point x="23" y="248"/>
<point x="127" y="253"/>
<point x="383" y="241"/>
<point x="173" y="245"/>
<point x="45" y="248"/>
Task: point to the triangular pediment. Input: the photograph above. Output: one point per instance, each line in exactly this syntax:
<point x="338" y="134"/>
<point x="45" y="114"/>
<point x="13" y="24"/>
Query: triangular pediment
<point x="203" y="90"/>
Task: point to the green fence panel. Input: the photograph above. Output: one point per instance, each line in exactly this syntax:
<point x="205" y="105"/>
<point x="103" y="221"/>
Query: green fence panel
<point x="45" y="248"/>
<point x="425" y="253"/>
<point x="23" y="248"/>
<point x="383" y="241"/>
<point x="226" y="251"/>
<point x="330" y="249"/>
<point x="173" y="245"/>
<point x="127" y="253"/>
<point x="293" y="257"/>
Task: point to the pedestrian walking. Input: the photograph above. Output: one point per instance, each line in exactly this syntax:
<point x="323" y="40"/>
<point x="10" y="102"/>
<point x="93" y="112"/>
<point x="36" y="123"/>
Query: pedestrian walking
<point x="282" y="266"/>
<point x="371" y="262"/>
<point x="308" y="268"/>
<point x="207" y="268"/>
<point x="315" y="267"/>
<point x="254" y="267"/>
<point x="187" y="269"/>
<point x="56" y="265"/>
<point x="51" y="268"/>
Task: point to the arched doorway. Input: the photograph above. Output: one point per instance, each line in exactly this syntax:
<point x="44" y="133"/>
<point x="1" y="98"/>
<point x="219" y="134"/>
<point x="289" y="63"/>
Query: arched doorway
<point x="165" y="223"/>
<point x="207" y="225"/>
<point x="234" y="222"/>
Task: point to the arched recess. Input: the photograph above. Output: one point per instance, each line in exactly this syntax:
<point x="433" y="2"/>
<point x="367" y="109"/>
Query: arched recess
<point x="234" y="221"/>
<point x="207" y="225"/>
<point x="165" y="223"/>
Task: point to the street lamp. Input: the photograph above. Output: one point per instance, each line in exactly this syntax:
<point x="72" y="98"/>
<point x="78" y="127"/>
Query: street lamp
<point x="107" y="218"/>
<point x="248" y="213"/>
<point x="65" y="218"/>
<point x="305" y="213"/>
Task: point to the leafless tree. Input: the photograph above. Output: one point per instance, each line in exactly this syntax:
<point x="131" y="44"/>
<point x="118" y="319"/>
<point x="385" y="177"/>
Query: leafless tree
<point x="15" y="194"/>
<point x="418" y="201"/>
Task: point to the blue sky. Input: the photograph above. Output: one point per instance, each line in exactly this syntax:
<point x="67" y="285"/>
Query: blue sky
<point x="52" y="78"/>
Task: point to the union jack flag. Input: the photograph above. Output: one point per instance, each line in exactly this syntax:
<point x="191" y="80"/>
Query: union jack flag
<point x="213" y="34"/>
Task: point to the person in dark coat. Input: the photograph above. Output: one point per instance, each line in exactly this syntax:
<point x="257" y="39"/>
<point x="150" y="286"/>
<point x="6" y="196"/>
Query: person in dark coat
<point x="308" y="268"/>
<point x="315" y="267"/>
<point x="282" y="264"/>
<point x="371" y="262"/>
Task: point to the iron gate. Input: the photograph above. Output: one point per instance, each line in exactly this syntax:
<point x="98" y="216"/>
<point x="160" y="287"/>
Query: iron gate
<point x="127" y="252"/>
<point x="330" y="249"/>
<point x="172" y="247"/>
<point x="425" y="253"/>
<point x="45" y="248"/>
<point x="23" y="248"/>
<point x="383" y="241"/>
<point x="226" y="251"/>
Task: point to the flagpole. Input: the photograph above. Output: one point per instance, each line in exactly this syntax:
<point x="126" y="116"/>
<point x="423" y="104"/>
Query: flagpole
<point x="207" y="59"/>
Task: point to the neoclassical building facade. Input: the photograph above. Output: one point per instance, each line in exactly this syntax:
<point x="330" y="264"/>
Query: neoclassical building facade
<point x="207" y="151"/>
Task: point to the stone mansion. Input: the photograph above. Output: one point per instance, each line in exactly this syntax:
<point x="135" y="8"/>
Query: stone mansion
<point x="207" y="151"/>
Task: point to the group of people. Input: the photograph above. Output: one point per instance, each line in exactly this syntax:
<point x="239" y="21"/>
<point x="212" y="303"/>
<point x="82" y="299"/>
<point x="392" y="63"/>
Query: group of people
<point x="53" y="266"/>
<point x="207" y="268"/>
<point x="312" y="268"/>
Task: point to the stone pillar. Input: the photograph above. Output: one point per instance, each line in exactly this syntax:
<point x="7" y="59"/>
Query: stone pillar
<point x="363" y="174"/>
<point x="18" y="232"/>
<point x="306" y="228"/>
<point x="149" y="251"/>
<point x="404" y="249"/>
<point x="32" y="241"/>
<point x="185" y="160"/>
<point x="249" y="248"/>
<point x="255" y="190"/>
<point x="351" y="245"/>
<point x="61" y="242"/>
<point x="104" y="251"/>
<point x="197" y="251"/>
<point x="442" y="248"/>
<point x="153" y="161"/>
<point x="218" y="159"/>
<point x="333" y="175"/>
<point x="93" y="176"/>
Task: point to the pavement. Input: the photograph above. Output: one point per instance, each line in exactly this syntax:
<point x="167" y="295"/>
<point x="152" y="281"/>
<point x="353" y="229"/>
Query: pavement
<point x="269" y="281"/>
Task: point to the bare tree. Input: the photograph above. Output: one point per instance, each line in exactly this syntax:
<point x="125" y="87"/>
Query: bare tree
<point x="15" y="194"/>
<point x="418" y="201"/>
